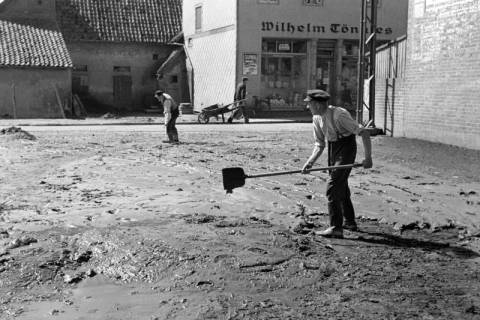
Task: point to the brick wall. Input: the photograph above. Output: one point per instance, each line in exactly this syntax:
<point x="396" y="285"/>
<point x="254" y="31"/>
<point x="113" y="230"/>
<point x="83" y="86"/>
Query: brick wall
<point x="440" y="97"/>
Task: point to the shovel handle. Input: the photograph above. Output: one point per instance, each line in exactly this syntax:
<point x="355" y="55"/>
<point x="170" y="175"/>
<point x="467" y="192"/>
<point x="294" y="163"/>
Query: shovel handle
<point x="280" y="173"/>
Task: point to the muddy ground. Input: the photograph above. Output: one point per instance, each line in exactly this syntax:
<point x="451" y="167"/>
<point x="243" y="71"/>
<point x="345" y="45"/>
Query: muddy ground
<point x="117" y="225"/>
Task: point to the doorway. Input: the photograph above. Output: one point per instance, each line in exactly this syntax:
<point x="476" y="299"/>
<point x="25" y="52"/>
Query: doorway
<point x="325" y="72"/>
<point x="122" y="92"/>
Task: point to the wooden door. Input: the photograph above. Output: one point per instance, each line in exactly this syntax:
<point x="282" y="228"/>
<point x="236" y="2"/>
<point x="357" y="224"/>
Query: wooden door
<point x="122" y="92"/>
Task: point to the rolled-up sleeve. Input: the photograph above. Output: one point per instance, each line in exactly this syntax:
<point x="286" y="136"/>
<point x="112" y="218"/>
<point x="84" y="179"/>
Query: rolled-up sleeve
<point x="318" y="133"/>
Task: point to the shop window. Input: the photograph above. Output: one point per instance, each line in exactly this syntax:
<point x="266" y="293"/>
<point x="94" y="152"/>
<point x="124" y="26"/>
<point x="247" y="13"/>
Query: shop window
<point x="198" y="18"/>
<point x="318" y="3"/>
<point x="347" y="94"/>
<point x="284" y="46"/>
<point x="299" y="46"/>
<point x="284" y="73"/>
<point x="269" y="46"/>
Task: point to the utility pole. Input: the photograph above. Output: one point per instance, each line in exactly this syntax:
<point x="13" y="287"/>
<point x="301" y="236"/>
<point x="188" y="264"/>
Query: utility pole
<point x="366" y="61"/>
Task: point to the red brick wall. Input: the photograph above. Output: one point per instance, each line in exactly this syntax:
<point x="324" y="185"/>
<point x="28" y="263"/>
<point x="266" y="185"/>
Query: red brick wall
<point x="440" y="97"/>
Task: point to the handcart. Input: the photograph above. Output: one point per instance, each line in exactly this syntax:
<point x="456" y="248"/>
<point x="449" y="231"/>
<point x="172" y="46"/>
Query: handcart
<point x="217" y="110"/>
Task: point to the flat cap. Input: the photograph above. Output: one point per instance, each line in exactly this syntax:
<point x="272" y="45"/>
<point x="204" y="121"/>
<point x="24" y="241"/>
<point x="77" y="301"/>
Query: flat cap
<point x="317" y="94"/>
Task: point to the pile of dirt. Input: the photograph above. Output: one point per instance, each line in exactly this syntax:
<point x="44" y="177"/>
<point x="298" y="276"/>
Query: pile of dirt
<point x="17" y="133"/>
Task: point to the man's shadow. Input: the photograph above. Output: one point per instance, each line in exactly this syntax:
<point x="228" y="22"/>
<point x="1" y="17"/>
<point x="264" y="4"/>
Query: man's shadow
<point x="382" y="238"/>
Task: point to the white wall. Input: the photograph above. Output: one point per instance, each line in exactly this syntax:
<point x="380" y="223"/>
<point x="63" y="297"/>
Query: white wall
<point x="212" y="50"/>
<point x="216" y="14"/>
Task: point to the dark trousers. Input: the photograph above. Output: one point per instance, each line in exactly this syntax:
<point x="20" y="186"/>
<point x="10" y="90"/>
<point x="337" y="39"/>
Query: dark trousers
<point x="238" y="113"/>
<point x="172" y="132"/>
<point x="340" y="207"/>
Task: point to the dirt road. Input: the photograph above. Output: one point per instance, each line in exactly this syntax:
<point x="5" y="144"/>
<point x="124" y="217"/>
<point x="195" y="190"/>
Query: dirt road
<point x="110" y="223"/>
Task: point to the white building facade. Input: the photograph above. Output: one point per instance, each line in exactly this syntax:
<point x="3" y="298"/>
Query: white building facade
<point x="284" y="47"/>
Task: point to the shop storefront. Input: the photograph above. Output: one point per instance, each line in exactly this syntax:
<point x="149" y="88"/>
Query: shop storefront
<point x="285" y="75"/>
<point x="283" y="70"/>
<point x="284" y="47"/>
<point x="304" y="44"/>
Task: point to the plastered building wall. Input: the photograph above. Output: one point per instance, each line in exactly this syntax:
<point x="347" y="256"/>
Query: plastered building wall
<point x="32" y="92"/>
<point x="101" y="58"/>
<point x="440" y="97"/>
<point x="211" y="50"/>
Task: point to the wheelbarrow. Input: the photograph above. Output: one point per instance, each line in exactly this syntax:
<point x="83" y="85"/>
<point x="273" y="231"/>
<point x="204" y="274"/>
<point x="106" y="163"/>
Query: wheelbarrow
<point x="217" y="110"/>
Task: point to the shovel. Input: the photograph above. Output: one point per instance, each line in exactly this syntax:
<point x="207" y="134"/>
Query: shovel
<point x="235" y="177"/>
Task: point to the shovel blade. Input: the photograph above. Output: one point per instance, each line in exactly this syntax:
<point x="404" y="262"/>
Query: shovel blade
<point x="233" y="178"/>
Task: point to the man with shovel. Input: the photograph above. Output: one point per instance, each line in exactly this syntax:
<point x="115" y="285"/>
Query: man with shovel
<point x="338" y="128"/>
<point x="171" y="113"/>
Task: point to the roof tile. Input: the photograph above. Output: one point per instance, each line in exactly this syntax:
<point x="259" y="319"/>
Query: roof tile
<point x="23" y="45"/>
<point x="151" y="21"/>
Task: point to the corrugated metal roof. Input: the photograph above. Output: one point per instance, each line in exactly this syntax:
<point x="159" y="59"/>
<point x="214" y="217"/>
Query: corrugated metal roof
<point x="149" y="21"/>
<point x="23" y="45"/>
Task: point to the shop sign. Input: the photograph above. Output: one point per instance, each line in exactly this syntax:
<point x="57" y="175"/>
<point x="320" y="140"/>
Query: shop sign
<point x="268" y="1"/>
<point x="334" y="28"/>
<point x="250" y="64"/>
<point x="284" y="47"/>
<point x="318" y="3"/>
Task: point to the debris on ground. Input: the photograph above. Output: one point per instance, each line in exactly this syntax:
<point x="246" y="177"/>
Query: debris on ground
<point x="21" y="242"/>
<point x="110" y="115"/>
<point x="17" y="133"/>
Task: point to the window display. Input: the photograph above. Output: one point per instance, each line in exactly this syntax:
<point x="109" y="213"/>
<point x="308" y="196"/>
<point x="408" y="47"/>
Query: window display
<point x="283" y="72"/>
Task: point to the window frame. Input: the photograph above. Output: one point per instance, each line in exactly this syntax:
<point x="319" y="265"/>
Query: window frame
<point x="198" y="18"/>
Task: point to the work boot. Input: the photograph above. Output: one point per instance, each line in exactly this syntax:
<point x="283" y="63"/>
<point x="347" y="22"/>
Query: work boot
<point x="352" y="226"/>
<point x="332" y="232"/>
<point x="175" y="138"/>
<point x="170" y="138"/>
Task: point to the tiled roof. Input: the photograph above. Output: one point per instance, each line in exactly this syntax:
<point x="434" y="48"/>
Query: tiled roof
<point x="23" y="45"/>
<point x="152" y="21"/>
